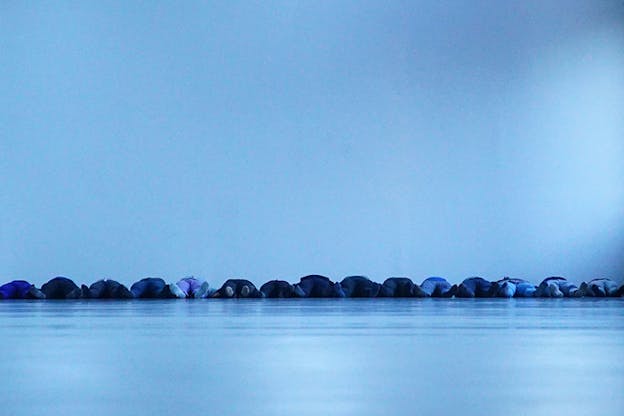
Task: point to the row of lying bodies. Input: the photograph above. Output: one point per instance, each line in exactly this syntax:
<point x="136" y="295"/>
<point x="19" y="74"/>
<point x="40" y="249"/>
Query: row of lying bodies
<point x="312" y="286"/>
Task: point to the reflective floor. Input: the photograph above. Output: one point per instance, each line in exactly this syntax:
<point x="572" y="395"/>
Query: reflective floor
<point x="313" y="357"/>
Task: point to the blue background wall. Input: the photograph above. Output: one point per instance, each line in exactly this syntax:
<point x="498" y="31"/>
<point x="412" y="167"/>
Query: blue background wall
<point x="276" y="139"/>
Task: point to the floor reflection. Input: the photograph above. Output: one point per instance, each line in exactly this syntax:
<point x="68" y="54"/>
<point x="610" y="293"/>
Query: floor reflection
<point x="310" y="357"/>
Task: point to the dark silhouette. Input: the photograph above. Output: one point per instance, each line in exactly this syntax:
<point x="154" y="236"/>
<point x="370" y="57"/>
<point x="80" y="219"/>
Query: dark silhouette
<point x="237" y="288"/>
<point x="20" y="289"/>
<point x="400" y="287"/>
<point x="61" y="288"/>
<point x="474" y="287"/>
<point x="317" y="286"/>
<point x="277" y="289"/>
<point x="106" y="289"/>
<point x="151" y="288"/>
<point x="359" y="287"/>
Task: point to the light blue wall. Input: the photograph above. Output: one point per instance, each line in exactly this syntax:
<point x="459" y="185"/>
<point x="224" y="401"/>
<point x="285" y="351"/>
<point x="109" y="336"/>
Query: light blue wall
<point x="272" y="140"/>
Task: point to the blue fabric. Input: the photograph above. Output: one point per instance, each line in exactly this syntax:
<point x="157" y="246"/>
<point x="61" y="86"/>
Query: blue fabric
<point x="359" y="287"/>
<point x="148" y="288"/>
<point x="474" y="287"/>
<point x="316" y="286"/>
<point x="17" y="289"/>
<point x="437" y="287"/>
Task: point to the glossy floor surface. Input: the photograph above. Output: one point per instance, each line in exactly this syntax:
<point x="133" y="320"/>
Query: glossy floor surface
<point x="313" y="357"/>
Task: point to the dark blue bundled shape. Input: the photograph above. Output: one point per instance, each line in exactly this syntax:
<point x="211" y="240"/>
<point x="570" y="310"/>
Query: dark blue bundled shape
<point x="474" y="287"/>
<point x="61" y="288"/>
<point x="237" y="288"/>
<point x="151" y="288"/>
<point x="20" y="289"/>
<point x="106" y="289"/>
<point x="277" y="289"/>
<point x="359" y="287"/>
<point x="400" y="287"/>
<point x="317" y="286"/>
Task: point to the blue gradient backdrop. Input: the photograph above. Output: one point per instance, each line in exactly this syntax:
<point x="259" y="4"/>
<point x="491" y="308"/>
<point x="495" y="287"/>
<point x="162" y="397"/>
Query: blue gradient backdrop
<point x="275" y="139"/>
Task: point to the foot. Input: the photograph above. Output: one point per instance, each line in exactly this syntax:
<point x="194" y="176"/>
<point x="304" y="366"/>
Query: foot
<point x="228" y="292"/>
<point x="176" y="291"/>
<point x="203" y="291"/>
<point x="245" y="291"/>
